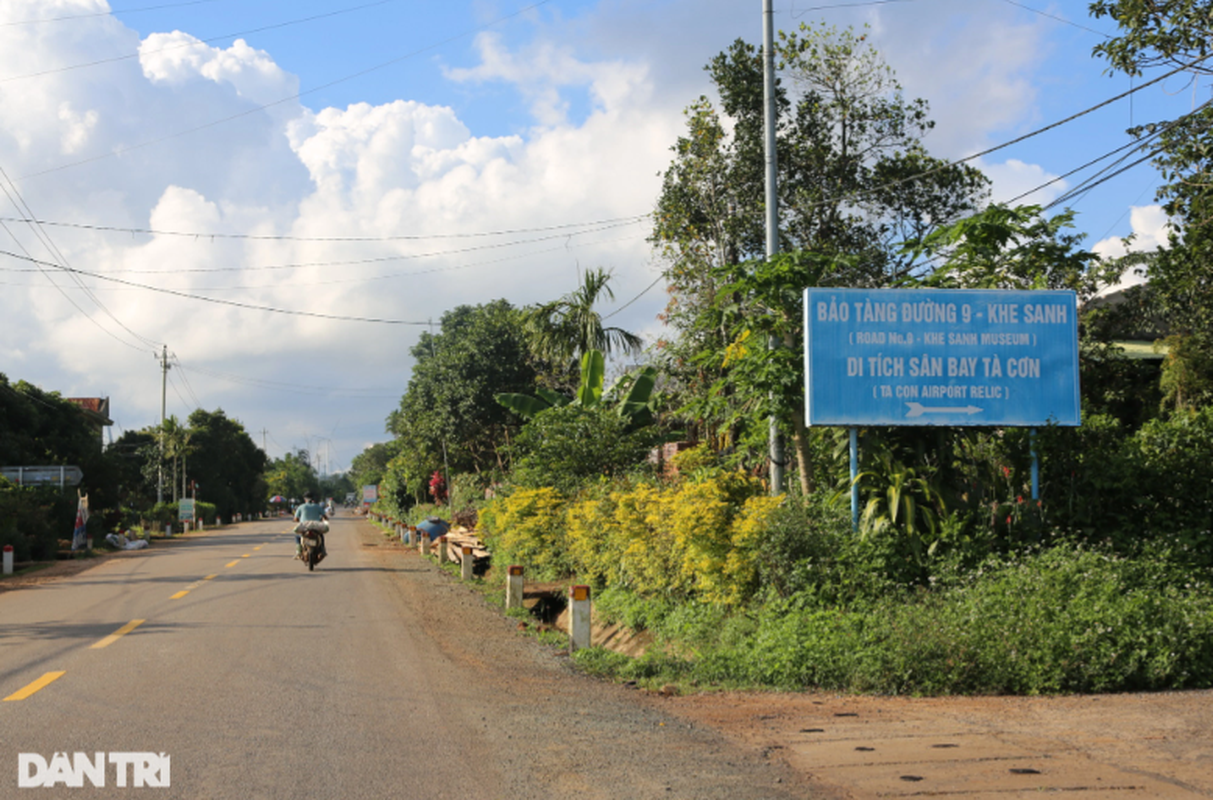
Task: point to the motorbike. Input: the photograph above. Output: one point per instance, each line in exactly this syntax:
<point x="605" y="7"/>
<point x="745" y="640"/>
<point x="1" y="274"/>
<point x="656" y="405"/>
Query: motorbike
<point x="311" y="537"/>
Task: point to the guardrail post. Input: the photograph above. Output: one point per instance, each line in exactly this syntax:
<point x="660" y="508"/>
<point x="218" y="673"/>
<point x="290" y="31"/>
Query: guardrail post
<point x="513" y="587"/>
<point x="465" y="563"/>
<point x="8" y="559"/>
<point x="579" y="617"/>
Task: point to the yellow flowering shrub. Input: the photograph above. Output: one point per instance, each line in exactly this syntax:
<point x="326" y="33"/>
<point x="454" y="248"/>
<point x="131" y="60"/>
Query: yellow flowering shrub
<point x="740" y="568"/>
<point x="594" y="545"/>
<point x="701" y="536"/>
<point x="527" y="527"/>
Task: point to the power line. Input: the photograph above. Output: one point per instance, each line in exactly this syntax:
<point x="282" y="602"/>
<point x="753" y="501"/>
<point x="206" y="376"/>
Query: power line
<point x="111" y="13"/>
<point x="237" y="304"/>
<point x="355" y="279"/>
<point x="181" y="397"/>
<point x="1135" y="145"/>
<point x="797" y="14"/>
<point x="139" y="54"/>
<point x="123" y="150"/>
<point x="262" y="383"/>
<point x="185" y="381"/>
<point x="1055" y="17"/>
<point x="337" y="239"/>
<point x="1039" y="131"/>
<point x="1090" y="183"/>
<point x="634" y="299"/>
<point x="14" y="196"/>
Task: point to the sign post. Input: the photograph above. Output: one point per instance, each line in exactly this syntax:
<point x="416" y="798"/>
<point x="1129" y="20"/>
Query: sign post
<point x="940" y="357"/>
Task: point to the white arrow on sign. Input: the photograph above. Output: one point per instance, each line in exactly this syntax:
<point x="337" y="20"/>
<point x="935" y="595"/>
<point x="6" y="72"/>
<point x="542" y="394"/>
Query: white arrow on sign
<point x="918" y="409"/>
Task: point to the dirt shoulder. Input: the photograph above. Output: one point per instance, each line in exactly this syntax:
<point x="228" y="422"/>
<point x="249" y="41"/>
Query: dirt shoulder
<point x="1100" y="746"/>
<point x="1082" y="747"/>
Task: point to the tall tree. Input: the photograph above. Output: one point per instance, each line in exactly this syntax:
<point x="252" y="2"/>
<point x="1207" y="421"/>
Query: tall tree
<point x="448" y="412"/>
<point x="1174" y="34"/>
<point x="291" y="476"/>
<point x="367" y="468"/>
<point x="854" y="181"/>
<point x="226" y="464"/>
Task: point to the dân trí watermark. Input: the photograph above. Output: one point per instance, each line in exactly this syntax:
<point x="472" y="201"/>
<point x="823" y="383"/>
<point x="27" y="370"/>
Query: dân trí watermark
<point x="137" y="770"/>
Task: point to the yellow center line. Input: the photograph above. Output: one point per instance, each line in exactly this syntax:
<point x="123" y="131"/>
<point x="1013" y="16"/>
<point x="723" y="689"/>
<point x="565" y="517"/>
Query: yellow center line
<point x="41" y="683"/>
<point x="246" y="555"/>
<point x="118" y="634"/>
<point x="180" y="594"/>
<point x="209" y="577"/>
<point x="258" y="547"/>
<point x="232" y="564"/>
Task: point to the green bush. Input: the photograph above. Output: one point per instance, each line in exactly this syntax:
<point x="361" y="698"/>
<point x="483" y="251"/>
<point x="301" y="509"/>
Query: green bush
<point x="1105" y="484"/>
<point x="1066" y="619"/>
<point x="34" y="519"/>
<point x="566" y="447"/>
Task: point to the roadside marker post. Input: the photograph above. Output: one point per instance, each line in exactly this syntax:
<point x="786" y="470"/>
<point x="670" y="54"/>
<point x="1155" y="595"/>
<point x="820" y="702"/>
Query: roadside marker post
<point x="579" y="617"/>
<point x="442" y="549"/>
<point x="513" y="587"/>
<point x="425" y="543"/>
<point x="8" y="559"/>
<point x="465" y="563"/>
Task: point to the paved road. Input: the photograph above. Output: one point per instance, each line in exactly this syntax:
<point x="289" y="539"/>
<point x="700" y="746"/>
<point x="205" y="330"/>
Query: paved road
<point x="259" y="679"/>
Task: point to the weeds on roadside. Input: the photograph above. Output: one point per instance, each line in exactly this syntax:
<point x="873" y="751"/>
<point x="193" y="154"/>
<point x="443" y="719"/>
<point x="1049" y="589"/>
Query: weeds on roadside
<point x="1065" y="619"/>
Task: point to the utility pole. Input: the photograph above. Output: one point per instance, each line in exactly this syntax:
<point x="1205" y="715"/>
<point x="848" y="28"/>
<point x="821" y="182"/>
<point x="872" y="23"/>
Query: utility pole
<point x="264" y="449"/>
<point x="772" y="203"/>
<point x="164" y="367"/>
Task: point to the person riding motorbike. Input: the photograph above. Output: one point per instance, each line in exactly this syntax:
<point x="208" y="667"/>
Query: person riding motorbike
<point x="309" y="511"/>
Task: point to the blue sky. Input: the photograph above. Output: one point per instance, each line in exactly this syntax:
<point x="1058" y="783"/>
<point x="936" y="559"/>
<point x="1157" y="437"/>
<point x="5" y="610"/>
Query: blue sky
<point x="449" y="121"/>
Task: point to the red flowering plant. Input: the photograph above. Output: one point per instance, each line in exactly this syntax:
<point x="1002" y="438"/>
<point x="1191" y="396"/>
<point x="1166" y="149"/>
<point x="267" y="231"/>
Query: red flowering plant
<point x="438" y="487"/>
<point x="1019" y="518"/>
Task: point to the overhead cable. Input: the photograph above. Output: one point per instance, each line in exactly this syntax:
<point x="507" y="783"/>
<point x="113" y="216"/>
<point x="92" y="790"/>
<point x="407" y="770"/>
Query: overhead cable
<point x="216" y="300"/>
<point x="139" y="54"/>
<point x="109" y="13"/>
<point x="262" y="383"/>
<point x="255" y="109"/>
<point x="14" y="196"/>
<point x="1055" y="17"/>
<point x="336" y="239"/>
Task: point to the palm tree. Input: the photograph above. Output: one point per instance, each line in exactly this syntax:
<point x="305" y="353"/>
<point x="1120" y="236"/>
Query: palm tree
<point x="176" y="448"/>
<point x="568" y="328"/>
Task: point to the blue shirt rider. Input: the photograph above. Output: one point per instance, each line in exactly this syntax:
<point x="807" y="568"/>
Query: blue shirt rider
<point x="309" y="511"/>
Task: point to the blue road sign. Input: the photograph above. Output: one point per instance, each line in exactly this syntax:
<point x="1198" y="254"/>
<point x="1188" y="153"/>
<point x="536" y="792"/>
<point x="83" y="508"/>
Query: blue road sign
<point x="941" y="357"/>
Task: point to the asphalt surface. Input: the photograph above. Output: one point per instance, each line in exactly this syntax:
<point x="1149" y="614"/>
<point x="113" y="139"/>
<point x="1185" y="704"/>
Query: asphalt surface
<point x="375" y="676"/>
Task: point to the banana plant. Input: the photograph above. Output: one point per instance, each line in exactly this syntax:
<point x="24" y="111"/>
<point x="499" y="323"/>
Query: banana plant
<point x="635" y="405"/>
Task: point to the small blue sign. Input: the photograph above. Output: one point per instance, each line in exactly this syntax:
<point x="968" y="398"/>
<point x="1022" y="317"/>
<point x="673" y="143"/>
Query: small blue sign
<point x="955" y="357"/>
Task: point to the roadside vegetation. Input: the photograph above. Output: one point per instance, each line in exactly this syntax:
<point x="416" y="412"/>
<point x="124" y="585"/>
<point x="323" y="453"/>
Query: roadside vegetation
<point x="646" y="474"/>
<point x="134" y="485"/>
